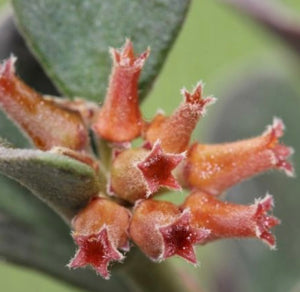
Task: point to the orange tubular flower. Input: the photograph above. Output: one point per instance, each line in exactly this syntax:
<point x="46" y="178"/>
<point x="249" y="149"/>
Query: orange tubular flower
<point x="39" y="117"/>
<point x="123" y="209"/>
<point x="225" y="219"/>
<point x="161" y="230"/>
<point x="100" y="230"/>
<point x="184" y="120"/>
<point x="214" y="168"/>
<point x="120" y="120"/>
<point x="138" y="173"/>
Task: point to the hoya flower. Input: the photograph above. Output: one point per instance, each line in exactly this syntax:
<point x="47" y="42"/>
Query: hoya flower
<point x="122" y="209"/>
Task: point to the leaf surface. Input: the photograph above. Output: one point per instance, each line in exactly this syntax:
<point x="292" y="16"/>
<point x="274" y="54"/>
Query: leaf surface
<point x="71" y="38"/>
<point x="63" y="183"/>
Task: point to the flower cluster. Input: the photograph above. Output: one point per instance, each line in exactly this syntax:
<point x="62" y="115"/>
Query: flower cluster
<point x="126" y="210"/>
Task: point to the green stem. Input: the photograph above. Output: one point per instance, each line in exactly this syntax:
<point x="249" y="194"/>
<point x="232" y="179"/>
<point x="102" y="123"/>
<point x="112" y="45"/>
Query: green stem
<point x="105" y="153"/>
<point x="142" y="275"/>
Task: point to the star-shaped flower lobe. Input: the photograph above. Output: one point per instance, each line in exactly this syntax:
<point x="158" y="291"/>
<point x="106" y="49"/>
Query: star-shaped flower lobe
<point x="184" y="119"/>
<point x="126" y="56"/>
<point x="179" y="237"/>
<point x="96" y="250"/>
<point x="265" y="222"/>
<point x="157" y="169"/>
<point x="279" y="151"/>
<point x="196" y="99"/>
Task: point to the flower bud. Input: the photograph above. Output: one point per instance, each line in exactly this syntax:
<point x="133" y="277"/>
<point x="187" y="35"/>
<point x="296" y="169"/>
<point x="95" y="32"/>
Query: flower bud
<point x="214" y="168"/>
<point x="45" y="122"/>
<point x="226" y="220"/>
<point x="119" y="120"/>
<point x="100" y="229"/>
<point x="161" y="230"/>
<point x="175" y="131"/>
<point x="138" y="173"/>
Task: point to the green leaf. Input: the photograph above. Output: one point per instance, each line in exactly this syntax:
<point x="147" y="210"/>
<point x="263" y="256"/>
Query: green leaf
<point x="71" y="38"/>
<point x="10" y="132"/>
<point x="63" y="183"/>
<point x="246" y="106"/>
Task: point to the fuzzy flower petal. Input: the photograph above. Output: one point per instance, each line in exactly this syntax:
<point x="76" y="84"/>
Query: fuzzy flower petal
<point x="161" y="230"/>
<point x="228" y="220"/>
<point x="157" y="168"/>
<point x="119" y="119"/>
<point x="184" y="120"/>
<point x="214" y="168"/>
<point x="100" y="229"/>
<point x="96" y="250"/>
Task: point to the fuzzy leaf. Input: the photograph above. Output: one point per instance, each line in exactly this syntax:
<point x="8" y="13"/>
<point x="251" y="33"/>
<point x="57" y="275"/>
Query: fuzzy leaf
<point x="71" y="38"/>
<point x="64" y="183"/>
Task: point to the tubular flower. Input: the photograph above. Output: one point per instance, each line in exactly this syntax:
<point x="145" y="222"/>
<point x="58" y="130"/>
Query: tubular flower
<point x="214" y="168"/>
<point x="124" y="208"/>
<point x="138" y="173"/>
<point x="184" y="120"/>
<point x="100" y="230"/>
<point x="161" y="230"/>
<point x="29" y="109"/>
<point x="119" y="119"/>
<point x="226" y="219"/>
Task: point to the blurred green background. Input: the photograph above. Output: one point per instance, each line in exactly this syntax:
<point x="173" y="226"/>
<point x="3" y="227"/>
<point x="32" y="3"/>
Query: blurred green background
<point x="254" y="77"/>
